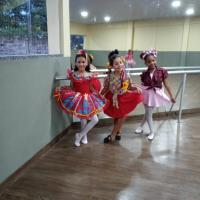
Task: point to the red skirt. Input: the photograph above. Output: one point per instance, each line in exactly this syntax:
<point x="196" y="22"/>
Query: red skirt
<point x="127" y="102"/>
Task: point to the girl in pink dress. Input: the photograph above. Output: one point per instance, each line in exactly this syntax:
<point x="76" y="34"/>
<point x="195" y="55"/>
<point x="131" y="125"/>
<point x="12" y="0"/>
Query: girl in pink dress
<point x="130" y="62"/>
<point x="82" y="99"/>
<point x="153" y="80"/>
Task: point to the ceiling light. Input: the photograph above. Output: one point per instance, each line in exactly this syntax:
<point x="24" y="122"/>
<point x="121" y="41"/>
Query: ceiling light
<point x="189" y="11"/>
<point x="107" y="18"/>
<point x="84" y="13"/>
<point x="176" y="4"/>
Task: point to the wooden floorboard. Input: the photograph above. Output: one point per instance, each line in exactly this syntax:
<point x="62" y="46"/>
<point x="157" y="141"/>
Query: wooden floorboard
<point x="133" y="169"/>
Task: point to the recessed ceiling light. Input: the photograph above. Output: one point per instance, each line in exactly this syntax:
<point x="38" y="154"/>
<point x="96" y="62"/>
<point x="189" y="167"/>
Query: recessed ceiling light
<point x="189" y="11"/>
<point x="84" y="13"/>
<point x="107" y="18"/>
<point x="176" y="4"/>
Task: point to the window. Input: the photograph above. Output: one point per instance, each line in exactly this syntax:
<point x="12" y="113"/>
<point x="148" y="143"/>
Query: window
<point x="23" y="27"/>
<point x="77" y="42"/>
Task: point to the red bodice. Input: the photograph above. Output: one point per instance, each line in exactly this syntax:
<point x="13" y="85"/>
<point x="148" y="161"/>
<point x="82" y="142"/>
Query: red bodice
<point x="85" y="84"/>
<point x="82" y="86"/>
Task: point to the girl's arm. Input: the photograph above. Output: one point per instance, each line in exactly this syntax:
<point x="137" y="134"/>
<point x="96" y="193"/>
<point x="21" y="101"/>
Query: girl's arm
<point x="105" y="86"/>
<point x="133" y="86"/>
<point x="94" y="83"/>
<point x="71" y="85"/>
<point x="168" y="88"/>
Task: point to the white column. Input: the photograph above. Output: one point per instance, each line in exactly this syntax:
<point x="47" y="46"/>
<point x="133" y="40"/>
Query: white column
<point x="65" y="28"/>
<point x="53" y="26"/>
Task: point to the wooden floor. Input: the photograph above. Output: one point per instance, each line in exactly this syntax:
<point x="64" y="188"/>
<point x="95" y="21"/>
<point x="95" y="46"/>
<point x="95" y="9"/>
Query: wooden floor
<point x="134" y="169"/>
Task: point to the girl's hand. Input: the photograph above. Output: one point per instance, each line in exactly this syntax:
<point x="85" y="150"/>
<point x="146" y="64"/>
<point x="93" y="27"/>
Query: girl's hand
<point x="173" y="100"/>
<point x="115" y="101"/>
<point x="137" y="90"/>
<point x="102" y="95"/>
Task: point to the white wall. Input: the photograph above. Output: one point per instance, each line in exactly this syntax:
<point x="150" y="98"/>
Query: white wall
<point x="109" y="36"/>
<point x="164" y="35"/>
<point x="194" y="32"/>
<point x="79" y="29"/>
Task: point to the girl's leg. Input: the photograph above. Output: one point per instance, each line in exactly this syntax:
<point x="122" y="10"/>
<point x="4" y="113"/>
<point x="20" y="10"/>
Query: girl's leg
<point x="118" y="135"/>
<point x="83" y="124"/>
<point x="149" y="118"/>
<point x="94" y="120"/>
<point x="140" y="128"/>
<point x="117" y="126"/>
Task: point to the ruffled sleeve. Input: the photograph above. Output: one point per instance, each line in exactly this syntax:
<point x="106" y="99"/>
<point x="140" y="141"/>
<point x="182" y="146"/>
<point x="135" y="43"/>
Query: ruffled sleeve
<point x="164" y="73"/>
<point x="69" y="74"/>
<point x="142" y="76"/>
<point x="95" y="83"/>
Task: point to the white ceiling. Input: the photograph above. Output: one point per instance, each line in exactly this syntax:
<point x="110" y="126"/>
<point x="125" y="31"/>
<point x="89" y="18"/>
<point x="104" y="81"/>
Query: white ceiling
<point x="122" y="10"/>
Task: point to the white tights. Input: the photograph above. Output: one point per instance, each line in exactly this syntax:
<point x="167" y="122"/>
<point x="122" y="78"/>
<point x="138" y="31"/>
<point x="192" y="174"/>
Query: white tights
<point x="148" y="117"/>
<point x="86" y="127"/>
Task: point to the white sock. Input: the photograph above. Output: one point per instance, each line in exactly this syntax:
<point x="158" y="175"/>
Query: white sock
<point x="94" y="120"/>
<point x="149" y="117"/>
<point x="83" y="124"/>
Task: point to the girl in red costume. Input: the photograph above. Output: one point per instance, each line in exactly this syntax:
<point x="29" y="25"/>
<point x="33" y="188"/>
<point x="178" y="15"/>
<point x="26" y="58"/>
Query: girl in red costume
<point x="82" y="99"/>
<point x="123" y="95"/>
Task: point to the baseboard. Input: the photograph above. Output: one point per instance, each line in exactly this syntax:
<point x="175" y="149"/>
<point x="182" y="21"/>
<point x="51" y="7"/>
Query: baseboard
<point x="19" y="172"/>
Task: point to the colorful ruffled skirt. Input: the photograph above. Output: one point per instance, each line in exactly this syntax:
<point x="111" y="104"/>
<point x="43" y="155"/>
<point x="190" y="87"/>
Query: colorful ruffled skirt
<point x="80" y="105"/>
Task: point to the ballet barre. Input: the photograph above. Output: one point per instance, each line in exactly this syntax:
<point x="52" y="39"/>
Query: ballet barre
<point x="189" y="71"/>
<point x="144" y="68"/>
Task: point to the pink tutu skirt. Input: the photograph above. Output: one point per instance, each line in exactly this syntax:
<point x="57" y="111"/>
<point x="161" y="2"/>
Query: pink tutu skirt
<point x="154" y="97"/>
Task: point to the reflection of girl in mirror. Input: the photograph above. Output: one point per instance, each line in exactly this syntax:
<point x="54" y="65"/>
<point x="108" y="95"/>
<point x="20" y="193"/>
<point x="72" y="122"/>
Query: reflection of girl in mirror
<point x="121" y="92"/>
<point x="130" y="62"/>
<point x="90" y="60"/>
<point x="82" y="99"/>
<point x="152" y="80"/>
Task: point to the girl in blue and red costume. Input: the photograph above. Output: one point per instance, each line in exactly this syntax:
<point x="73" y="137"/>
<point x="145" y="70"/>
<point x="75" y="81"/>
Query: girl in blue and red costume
<point x="82" y="99"/>
<point x="123" y="95"/>
<point x="152" y="81"/>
